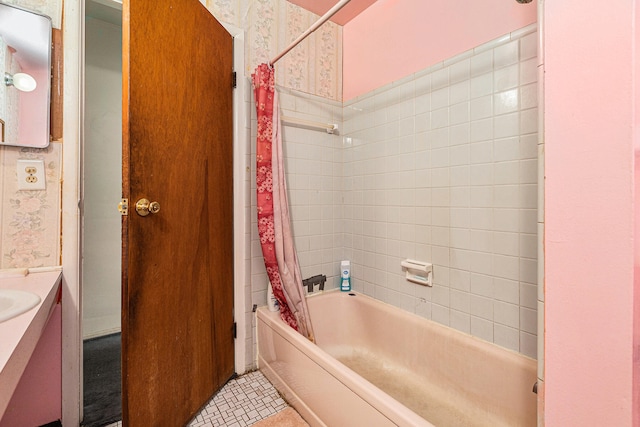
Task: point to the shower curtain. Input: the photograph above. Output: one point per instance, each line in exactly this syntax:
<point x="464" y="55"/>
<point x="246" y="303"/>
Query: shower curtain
<point x="274" y="225"/>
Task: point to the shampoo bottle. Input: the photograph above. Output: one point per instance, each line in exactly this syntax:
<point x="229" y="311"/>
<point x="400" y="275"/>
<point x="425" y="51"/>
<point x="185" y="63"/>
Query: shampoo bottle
<point x="345" y="276"/>
<point x="272" y="302"/>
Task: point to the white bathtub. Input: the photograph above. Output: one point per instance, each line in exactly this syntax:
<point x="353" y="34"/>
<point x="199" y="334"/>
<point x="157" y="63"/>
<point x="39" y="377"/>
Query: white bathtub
<point x="410" y="371"/>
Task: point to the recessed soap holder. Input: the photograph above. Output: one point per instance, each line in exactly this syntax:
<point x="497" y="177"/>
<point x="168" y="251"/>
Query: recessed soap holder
<point x="418" y="271"/>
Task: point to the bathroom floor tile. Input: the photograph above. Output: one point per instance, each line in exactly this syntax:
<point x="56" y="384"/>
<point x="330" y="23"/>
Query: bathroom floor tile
<point x="241" y="402"/>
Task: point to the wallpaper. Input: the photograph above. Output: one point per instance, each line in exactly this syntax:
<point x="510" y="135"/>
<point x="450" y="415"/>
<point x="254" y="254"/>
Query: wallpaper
<point x="314" y="66"/>
<point x="50" y="8"/>
<point x="30" y="220"/>
<point x="3" y="88"/>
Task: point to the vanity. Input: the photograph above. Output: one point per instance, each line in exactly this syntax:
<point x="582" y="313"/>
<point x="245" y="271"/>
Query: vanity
<point x="30" y="362"/>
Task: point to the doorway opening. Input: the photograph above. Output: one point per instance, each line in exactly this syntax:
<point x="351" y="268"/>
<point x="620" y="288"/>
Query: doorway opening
<point x="101" y="178"/>
<point x="101" y="223"/>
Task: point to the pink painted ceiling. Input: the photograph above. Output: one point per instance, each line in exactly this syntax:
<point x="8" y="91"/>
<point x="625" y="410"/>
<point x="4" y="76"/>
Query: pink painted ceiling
<point x="346" y="14"/>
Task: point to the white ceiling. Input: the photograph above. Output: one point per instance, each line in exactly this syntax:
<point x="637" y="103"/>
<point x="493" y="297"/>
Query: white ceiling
<point x="346" y="14"/>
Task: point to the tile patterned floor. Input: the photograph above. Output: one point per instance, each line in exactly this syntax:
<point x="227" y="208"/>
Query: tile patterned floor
<point x="240" y="403"/>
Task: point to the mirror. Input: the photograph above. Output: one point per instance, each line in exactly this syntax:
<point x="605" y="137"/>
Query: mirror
<point x="25" y="77"/>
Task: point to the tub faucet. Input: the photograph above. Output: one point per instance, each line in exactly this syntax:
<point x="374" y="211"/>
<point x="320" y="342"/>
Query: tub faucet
<point x="315" y="280"/>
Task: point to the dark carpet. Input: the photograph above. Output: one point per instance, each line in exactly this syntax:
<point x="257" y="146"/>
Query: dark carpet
<point x="102" y="383"/>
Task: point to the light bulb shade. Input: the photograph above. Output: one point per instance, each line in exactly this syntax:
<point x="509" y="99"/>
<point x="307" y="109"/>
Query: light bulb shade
<point x="21" y="81"/>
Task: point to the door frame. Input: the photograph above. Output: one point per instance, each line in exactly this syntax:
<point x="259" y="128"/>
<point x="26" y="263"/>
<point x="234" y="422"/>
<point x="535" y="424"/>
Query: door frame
<point x="73" y="136"/>
<point x="241" y="201"/>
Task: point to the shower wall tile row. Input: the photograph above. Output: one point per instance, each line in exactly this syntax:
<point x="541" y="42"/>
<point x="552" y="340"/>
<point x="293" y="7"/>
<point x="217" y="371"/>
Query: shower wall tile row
<point x="313" y="165"/>
<point x="249" y="112"/>
<point x="442" y="167"/>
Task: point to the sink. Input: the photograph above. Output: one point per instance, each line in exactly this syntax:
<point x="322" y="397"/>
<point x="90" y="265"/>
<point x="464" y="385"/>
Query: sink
<point x="14" y="302"/>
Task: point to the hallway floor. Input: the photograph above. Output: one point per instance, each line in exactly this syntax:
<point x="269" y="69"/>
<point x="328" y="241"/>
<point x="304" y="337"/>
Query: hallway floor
<point x="242" y="402"/>
<point x="101" y="383"/>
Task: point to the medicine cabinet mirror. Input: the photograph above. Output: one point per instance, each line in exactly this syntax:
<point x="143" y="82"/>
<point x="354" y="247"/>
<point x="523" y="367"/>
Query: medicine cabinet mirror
<point x="25" y="77"/>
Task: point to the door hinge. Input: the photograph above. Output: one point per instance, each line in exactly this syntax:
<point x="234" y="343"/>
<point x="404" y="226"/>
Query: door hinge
<point x="234" y="79"/>
<point x="235" y="330"/>
<point x="123" y="207"/>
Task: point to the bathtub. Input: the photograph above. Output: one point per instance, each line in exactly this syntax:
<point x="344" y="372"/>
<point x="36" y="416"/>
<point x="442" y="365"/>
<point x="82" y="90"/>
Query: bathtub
<point x="377" y="365"/>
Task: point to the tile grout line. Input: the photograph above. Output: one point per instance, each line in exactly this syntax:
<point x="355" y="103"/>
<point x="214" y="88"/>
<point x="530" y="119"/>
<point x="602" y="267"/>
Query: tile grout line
<point x="242" y="402"/>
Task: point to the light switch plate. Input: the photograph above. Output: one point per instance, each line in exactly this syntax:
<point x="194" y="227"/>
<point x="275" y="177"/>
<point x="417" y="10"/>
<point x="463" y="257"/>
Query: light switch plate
<point x="31" y="175"/>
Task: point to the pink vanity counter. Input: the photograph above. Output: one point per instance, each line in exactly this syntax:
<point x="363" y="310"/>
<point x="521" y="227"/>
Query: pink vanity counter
<point x="20" y="335"/>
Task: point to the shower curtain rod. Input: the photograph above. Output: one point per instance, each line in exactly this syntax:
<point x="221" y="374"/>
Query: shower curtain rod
<point x="324" y="18"/>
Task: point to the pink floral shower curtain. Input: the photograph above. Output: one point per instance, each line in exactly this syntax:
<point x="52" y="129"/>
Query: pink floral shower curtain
<point x="274" y="225"/>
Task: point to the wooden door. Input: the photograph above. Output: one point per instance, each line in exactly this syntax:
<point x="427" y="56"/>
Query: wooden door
<point x="177" y="299"/>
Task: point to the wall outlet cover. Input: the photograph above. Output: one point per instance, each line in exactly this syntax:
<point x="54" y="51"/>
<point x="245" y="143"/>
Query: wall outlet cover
<point x="31" y="175"/>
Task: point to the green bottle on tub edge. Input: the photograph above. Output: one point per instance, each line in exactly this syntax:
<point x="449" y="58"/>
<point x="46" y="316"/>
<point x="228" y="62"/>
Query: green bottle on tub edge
<point x="345" y="276"/>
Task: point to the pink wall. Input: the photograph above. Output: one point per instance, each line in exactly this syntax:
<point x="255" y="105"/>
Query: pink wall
<point x="636" y="140"/>
<point x="394" y="38"/>
<point x="589" y="193"/>
<point x="37" y="399"/>
<point x="589" y="220"/>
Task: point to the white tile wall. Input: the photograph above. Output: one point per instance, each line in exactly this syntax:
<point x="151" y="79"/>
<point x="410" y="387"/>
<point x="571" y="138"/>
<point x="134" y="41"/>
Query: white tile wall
<point x="250" y="344"/>
<point x="313" y="165"/>
<point x="440" y="166"/>
<point x="449" y="156"/>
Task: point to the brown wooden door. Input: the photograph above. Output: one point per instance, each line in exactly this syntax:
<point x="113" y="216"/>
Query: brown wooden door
<point x="177" y="299"/>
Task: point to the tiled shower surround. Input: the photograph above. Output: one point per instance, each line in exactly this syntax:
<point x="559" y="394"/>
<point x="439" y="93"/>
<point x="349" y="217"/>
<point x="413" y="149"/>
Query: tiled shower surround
<point x="442" y="167"/>
<point x="439" y="167"/>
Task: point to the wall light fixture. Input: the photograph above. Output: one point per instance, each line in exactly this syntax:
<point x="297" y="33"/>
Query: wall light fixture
<point x="21" y="81"/>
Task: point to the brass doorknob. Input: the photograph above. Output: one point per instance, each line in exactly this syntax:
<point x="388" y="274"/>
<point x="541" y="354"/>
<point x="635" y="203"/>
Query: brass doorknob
<point x="144" y="207"/>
